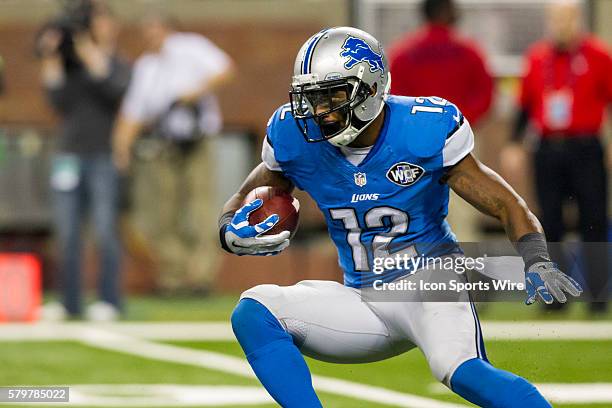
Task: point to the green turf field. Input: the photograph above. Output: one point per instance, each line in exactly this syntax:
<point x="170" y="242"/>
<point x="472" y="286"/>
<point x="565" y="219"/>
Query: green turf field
<point x="29" y="362"/>
<point x="219" y="308"/>
<point x="538" y="361"/>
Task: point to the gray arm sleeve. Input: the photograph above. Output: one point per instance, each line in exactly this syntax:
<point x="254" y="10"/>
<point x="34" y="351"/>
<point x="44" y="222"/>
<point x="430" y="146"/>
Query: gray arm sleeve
<point x="532" y="247"/>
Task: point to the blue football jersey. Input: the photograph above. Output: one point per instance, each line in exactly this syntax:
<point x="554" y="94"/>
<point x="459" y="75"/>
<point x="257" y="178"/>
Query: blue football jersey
<point x="393" y="202"/>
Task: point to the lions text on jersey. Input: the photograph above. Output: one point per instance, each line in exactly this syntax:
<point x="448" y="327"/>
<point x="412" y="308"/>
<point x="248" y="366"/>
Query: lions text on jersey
<point x="393" y="201"/>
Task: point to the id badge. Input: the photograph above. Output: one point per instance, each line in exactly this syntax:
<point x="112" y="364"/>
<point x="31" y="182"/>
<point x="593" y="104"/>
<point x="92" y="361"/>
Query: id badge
<point x="65" y="172"/>
<point x="558" y="109"/>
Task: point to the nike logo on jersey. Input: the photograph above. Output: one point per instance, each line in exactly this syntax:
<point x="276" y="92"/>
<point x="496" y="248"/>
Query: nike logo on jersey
<point x="364" y="197"/>
<point x="405" y="174"/>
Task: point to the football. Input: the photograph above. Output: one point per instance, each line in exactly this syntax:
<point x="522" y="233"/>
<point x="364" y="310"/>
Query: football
<point x="278" y="202"/>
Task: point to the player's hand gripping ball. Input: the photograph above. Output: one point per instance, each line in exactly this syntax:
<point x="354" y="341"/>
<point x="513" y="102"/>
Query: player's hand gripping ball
<point x="277" y="202"/>
<point x="264" y="225"/>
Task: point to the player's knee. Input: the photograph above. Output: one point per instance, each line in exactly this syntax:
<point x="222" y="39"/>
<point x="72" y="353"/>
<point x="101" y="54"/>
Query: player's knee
<point x="240" y="316"/>
<point x="255" y="326"/>
<point x="264" y="294"/>
<point x="254" y="305"/>
<point x="247" y="313"/>
<point x="254" y="308"/>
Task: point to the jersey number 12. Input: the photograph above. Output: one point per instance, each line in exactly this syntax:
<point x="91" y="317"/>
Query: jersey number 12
<point x="374" y="218"/>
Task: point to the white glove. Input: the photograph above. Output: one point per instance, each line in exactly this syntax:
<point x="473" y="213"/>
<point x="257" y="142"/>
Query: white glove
<point x="241" y="238"/>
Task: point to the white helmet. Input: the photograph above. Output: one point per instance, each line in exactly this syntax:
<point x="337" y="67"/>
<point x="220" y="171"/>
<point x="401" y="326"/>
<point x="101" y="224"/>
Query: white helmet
<point x="343" y="70"/>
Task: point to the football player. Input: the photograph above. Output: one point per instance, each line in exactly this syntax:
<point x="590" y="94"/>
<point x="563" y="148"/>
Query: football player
<point x="379" y="167"/>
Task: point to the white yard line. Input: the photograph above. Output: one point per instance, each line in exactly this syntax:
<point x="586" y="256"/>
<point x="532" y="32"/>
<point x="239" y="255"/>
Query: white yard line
<point x="136" y="339"/>
<point x="66" y="331"/>
<point x="561" y="393"/>
<point x="238" y="366"/>
<point x="377" y="394"/>
<point x="161" y="395"/>
<point x="220" y="331"/>
<point x="588" y="393"/>
<point x="164" y="395"/>
<point x="534" y="330"/>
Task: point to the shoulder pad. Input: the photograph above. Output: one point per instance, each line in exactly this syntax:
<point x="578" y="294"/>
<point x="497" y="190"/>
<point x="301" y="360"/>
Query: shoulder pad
<point x="278" y="122"/>
<point x="427" y="122"/>
<point x="284" y="135"/>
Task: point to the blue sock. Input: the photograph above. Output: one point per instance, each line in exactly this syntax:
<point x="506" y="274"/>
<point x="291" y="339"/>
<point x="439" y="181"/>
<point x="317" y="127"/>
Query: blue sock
<point x="270" y="351"/>
<point x="486" y="386"/>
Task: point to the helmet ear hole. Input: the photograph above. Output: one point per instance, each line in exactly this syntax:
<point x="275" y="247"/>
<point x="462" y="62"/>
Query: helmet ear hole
<point x="364" y="91"/>
<point x="374" y="89"/>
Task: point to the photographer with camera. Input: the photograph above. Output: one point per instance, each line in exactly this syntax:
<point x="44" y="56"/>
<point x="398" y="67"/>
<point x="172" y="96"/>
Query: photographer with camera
<point x="84" y="80"/>
<point x="172" y="94"/>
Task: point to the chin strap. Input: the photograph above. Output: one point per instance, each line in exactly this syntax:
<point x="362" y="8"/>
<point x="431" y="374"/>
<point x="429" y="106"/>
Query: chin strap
<point x="351" y="133"/>
<point x="346" y="137"/>
<point x="387" y="89"/>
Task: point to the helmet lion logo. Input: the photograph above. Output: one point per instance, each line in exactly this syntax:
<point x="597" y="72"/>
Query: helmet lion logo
<point x="357" y="50"/>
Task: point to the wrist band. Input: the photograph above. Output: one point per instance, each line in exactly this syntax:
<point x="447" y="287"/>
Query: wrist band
<point x="532" y="247"/>
<point x="226" y="218"/>
<point x="224" y="221"/>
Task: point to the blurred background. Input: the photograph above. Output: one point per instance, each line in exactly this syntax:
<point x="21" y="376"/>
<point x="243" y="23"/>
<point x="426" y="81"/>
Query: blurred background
<point x="126" y="124"/>
<point x="260" y="38"/>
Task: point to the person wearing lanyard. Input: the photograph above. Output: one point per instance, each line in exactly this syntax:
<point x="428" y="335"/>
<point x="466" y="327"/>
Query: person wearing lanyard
<point x="564" y="93"/>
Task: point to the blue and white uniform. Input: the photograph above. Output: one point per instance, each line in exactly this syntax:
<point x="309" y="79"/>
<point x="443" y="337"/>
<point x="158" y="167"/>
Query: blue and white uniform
<point x="377" y="202"/>
<point x="384" y="203"/>
<point x="393" y="200"/>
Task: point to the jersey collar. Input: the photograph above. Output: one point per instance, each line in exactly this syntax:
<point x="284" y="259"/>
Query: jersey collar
<point x="380" y="140"/>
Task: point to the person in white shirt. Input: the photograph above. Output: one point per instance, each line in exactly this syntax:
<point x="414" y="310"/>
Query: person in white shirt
<point x="172" y="94"/>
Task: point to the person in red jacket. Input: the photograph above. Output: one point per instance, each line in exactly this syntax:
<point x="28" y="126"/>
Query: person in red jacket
<point x="437" y="61"/>
<point x="564" y="93"/>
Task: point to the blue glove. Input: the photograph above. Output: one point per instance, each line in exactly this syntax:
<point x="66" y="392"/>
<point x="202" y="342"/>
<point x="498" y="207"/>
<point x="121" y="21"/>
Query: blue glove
<point x="244" y="239"/>
<point x="544" y="279"/>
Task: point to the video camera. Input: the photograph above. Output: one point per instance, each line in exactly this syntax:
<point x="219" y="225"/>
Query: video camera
<point x="75" y="17"/>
